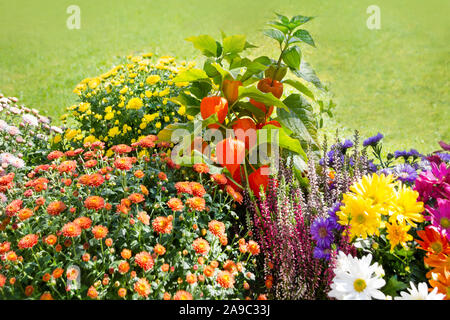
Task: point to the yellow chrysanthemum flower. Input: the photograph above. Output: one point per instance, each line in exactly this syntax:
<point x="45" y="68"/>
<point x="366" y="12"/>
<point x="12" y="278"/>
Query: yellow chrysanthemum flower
<point x="134" y="103"/>
<point x="93" y="83"/>
<point x="90" y="139"/>
<point x="109" y="116"/>
<point x="363" y="218"/>
<point x="84" y="106"/>
<point x="182" y="111"/>
<point x="113" y="132"/>
<point x="406" y="207"/>
<point x="153" y="79"/>
<point x="378" y="188"/>
<point x="57" y="138"/>
<point x="158" y="125"/>
<point x="398" y="234"/>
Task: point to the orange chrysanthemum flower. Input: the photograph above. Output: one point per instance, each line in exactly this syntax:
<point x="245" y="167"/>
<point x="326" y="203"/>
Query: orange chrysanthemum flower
<point x="162" y="225"/>
<point x="72" y="274"/>
<point x="162" y="176"/>
<point x="91" y="163"/>
<point x="139" y="174"/>
<point x="219" y="178"/>
<point x="144" y="218"/>
<point x="142" y="287"/>
<point x="121" y="149"/>
<point x="5" y="247"/>
<point x="197" y="189"/>
<point x="11" y="256"/>
<point x="136" y="197"/>
<point x="95" y="203"/>
<point x="144" y="260"/>
<point x="183" y="187"/>
<point x="56" y="207"/>
<point x="122" y="292"/>
<point x="25" y="214"/>
<point x="125" y="163"/>
<point x="57" y="273"/>
<point x="253" y="247"/>
<point x="182" y="295"/>
<point x="123" y="267"/>
<point x="217" y="228"/>
<point x="208" y="271"/>
<point x="71" y="229"/>
<point x="126" y="254"/>
<point x="83" y="222"/>
<point x="99" y="232"/>
<point x="159" y="249"/>
<point x="175" y="204"/>
<point x="191" y="278"/>
<point x="46" y="296"/>
<point x="225" y="279"/>
<point x="196" y="203"/>
<point x="92" y="292"/>
<point x="144" y="190"/>
<point x="201" y="168"/>
<point x="230" y="266"/>
<point x="201" y="246"/>
<point x="29" y="241"/>
<point x="67" y="166"/>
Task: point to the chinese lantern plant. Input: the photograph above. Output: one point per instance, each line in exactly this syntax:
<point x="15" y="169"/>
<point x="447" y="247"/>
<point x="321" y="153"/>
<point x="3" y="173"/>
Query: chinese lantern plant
<point x="233" y="91"/>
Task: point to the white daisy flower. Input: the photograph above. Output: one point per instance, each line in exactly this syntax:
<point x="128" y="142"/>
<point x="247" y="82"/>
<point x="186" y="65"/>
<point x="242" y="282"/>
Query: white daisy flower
<point x="357" y="279"/>
<point x="420" y="293"/>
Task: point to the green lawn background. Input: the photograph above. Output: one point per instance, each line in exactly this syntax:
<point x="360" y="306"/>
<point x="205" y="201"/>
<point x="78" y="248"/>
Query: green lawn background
<point x="393" y="80"/>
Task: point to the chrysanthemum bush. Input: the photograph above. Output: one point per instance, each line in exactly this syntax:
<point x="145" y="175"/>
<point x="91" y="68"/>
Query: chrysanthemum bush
<point x="24" y="135"/>
<point x="131" y="100"/>
<point x="87" y="226"/>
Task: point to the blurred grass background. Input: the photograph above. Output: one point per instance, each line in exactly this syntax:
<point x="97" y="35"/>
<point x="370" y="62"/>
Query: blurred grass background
<point x="394" y="80"/>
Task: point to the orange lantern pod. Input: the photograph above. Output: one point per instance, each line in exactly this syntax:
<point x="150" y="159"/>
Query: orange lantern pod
<point x="212" y="105"/>
<point x="257" y="179"/>
<point x="230" y="153"/>
<point x="230" y="89"/>
<point x="245" y="130"/>
<point x="269" y="85"/>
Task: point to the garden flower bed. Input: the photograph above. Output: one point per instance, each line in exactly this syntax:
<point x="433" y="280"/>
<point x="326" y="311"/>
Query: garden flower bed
<point x="171" y="181"/>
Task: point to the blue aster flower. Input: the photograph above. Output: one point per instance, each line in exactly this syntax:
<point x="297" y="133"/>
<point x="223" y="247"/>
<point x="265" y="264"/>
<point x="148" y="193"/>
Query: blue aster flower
<point x="373" y="141"/>
<point x="405" y="173"/>
<point x="322" y="232"/>
<point x="322" y="253"/>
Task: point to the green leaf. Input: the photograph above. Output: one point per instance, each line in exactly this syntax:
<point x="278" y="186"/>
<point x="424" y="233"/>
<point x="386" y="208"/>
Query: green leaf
<point x="393" y="286"/>
<point x="267" y="98"/>
<point x="299" y="19"/>
<point x="190" y="75"/>
<point x="283" y="19"/>
<point x="300" y="87"/>
<point x="275" y="34"/>
<point x="307" y="73"/>
<point x="304" y="36"/>
<point x="279" y="26"/>
<point x="166" y="133"/>
<point x="292" y="57"/>
<point x="234" y="44"/>
<point x="300" y="120"/>
<point x="274" y="135"/>
<point x="246" y="108"/>
<point x="205" y="43"/>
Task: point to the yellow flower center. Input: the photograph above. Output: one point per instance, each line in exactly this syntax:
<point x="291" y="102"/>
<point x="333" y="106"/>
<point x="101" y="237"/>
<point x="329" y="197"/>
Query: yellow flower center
<point x="360" y="218"/>
<point x="359" y="285"/>
<point x="445" y="222"/>
<point x="437" y="247"/>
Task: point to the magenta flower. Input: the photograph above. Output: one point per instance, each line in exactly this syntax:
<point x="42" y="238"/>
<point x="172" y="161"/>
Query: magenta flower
<point x="440" y="216"/>
<point x="434" y="183"/>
